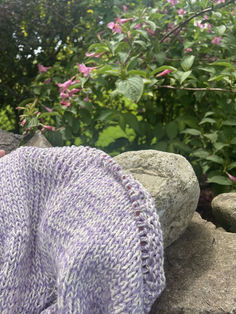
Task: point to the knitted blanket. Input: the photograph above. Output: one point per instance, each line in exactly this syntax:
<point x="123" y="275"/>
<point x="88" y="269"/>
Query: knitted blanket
<point x="77" y="235"/>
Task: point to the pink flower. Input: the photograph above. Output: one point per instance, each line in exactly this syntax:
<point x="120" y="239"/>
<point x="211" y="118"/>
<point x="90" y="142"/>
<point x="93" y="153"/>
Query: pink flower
<point x="164" y="72"/>
<point x="49" y="127"/>
<point x="23" y="122"/>
<point x="87" y="98"/>
<point x="125" y="8"/>
<point x="115" y="27"/>
<point x="216" y="40"/>
<point x="181" y="12"/>
<point x="220" y="1"/>
<point x="66" y="93"/>
<point x="209" y="28"/>
<point x="42" y="68"/>
<point x="85" y="70"/>
<point x="187" y="50"/>
<point x="93" y="54"/>
<point x="48" y="109"/>
<point x="122" y="21"/>
<point x="137" y="26"/>
<point x="65" y="103"/>
<point x="173" y="2"/>
<point x="150" y="31"/>
<point x="232" y="178"/>
<point x="64" y="86"/>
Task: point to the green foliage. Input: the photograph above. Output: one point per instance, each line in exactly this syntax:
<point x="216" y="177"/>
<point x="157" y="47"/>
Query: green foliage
<point x="155" y="78"/>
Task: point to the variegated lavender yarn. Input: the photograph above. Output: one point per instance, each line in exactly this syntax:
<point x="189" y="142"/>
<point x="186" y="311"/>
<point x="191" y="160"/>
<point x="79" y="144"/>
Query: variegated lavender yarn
<point x="77" y="235"/>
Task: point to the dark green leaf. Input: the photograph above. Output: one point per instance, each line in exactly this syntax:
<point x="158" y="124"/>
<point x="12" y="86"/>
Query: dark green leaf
<point x="131" y="88"/>
<point x="187" y="62"/>
<point x="172" y="130"/>
<point x="192" y="132"/>
<point x="219" y="180"/>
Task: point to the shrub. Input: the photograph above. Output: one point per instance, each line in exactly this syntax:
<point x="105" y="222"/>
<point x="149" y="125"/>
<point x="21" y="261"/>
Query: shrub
<point x="157" y="78"/>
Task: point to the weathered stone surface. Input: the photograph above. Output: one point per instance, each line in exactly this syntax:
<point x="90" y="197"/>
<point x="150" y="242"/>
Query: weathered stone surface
<point x="38" y="140"/>
<point x="171" y="181"/>
<point x="200" y="268"/>
<point x="9" y="141"/>
<point x="224" y="210"/>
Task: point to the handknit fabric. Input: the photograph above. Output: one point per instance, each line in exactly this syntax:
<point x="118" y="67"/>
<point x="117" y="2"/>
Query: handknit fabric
<point x="77" y="235"/>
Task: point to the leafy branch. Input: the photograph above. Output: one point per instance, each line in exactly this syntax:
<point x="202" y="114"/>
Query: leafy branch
<point x="181" y="25"/>
<point x="216" y="89"/>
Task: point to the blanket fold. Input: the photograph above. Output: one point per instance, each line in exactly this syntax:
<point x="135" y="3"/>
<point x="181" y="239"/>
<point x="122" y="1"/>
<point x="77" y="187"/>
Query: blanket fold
<point x="77" y="235"/>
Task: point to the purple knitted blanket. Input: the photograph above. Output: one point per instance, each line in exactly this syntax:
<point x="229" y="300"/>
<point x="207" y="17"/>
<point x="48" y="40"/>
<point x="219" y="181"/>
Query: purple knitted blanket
<point x="77" y="235"/>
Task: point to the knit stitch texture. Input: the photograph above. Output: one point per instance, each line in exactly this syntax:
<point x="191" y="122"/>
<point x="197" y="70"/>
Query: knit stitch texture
<point x="77" y="235"/>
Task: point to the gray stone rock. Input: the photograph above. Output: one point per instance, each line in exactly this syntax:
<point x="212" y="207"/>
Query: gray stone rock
<point x="9" y="141"/>
<point x="200" y="268"/>
<point x="38" y="140"/>
<point x="171" y="181"/>
<point x="224" y="210"/>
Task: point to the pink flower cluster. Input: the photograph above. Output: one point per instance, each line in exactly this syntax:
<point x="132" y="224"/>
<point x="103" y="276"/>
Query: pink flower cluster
<point x="116" y="26"/>
<point x="66" y="93"/>
<point x="206" y="26"/>
<point x="85" y="70"/>
<point x="150" y="31"/>
<point x="181" y="11"/>
<point x="42" y="68"/>
<point x="216" y="40"/>
<point x="173" y="2"/>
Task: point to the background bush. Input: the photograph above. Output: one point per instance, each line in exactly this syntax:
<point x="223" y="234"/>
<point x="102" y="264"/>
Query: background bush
<point x="140" y="75"/>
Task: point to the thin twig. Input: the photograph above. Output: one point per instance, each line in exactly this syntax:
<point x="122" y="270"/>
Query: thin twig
<point x="181" y="25"/>
<point x="215" y="89"/>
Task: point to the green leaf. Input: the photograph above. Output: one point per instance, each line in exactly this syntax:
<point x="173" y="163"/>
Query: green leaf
<point x="181" y="146"/>
<point x="123" y="56"/>
<point x="33" y="123"/>
<point x="132" y="121"/>
<point x="151" y="24"/>
<point x="192" y="132"/>
<point x="217" y="78"/>
<point x="209" y="113"/>
<point x="200" y="153"/>
<point x="211" y="136"/>
<point x="219" y="180"/>
<point x="68" y="116"/>
<point x="172" y="130"/>
<point x="137" y="72"/>
<point x="160" y="57"/>
<point x="207" y="120"/>
<point x="222" y="63"/>
<point x="229" y="122"/>
<point x="132" y="87"/>
<point x="220" y="30"/>
<point x="105" y="115"/>
<point x="232" y="165"/>
<point x="141" y="43"/>
<point x="215" y="159"/>
<point x="143" y="33"/>
<point x="26" y="101"/>
<point x="55" y="138"/>
<point x="187" y="62"/>
<point x="184" y="76"/>
<point x="219" y="146"/>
